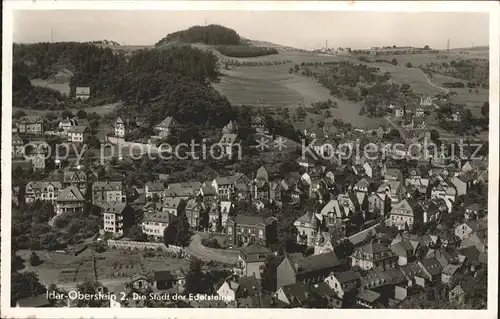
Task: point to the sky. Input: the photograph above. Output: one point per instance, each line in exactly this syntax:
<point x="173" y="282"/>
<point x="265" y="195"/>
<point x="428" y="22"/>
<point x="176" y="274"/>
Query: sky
<point x="297" y="29"/>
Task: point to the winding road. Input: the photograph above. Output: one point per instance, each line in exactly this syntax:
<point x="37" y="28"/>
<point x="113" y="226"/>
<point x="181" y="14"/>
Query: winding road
<point x="445" y="90"/>
<point x="196" y="249"/>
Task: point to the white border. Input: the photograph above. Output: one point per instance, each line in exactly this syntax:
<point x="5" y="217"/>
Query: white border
<point x="400" y="6"/>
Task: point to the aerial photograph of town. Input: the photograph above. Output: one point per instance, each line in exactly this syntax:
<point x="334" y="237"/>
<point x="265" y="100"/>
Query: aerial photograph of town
<point x="208" y="159"/>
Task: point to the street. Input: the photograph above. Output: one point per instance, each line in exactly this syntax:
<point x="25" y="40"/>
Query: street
<point x="196" y="249"/>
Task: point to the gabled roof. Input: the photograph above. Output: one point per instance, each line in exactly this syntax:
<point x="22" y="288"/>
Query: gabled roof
<point x="167" y="122"/>
<point x="253" y="220"/>
<point x="107" y="186"/>
<point x="113" y="208"/>
<point x="79" y="129"/>
<point x="70" y="193"/>
<point x="402" y="249"/>
<point x="315" y="262"/>
<point x="228" y="138"/>
<point x="155" y="186"/>
<point x="347" y="276"/>
<point x="368" y="295"/>
<point x="431" y="265"/>
<point x="172" y="202"/>
<point x="450" y="269"/>
<point x="254" y="249"/>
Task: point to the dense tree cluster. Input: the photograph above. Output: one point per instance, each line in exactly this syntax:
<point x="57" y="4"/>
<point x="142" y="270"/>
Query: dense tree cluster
<point x="245" y="51"/>
<point x="212" y="34"/>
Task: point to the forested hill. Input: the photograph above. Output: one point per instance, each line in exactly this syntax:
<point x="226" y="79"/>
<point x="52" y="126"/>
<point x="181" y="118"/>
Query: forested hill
<point x="152" y="83"/>
<point x="212" y="34"/>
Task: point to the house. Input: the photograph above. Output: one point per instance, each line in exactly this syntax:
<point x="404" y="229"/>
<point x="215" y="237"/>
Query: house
<point x="458" y="294"/>
<point x="303" y="295"/>
<point x="306" y="228"/>
<point x="406" y="214"/>
<point x="31" y="125"/>
<point x="154" y="189"/>
<point x="79" y="134"/>
<point x="405" y="252"/>
<point x="478" y="239"/>
<point x="245" y="229"/>
<point x="69" y="200"/>
<point x="466" y="229"/>
<point x="229" y="144"/>
<point x="275" y="189"/>
<point x="173" y="205"/>
<point x="224" y="187"/>
<point x="194" y="213"/>
<point x="109" y="191"/>
<point x="75" y="178"/>
<point x="373" y="255"/>
<point x="163" y="279"/>
<point x="119" y="128"/>
<point x="461" y="184"/>
<point x="82" y="92"/>
<point x="368" y="299"/>
<point x="431" y="269"/>
<point x="17" y="146"/>
<point x="399" y="111"/>
<point x="392" y="174"/>
<point x="44" y="191"/>
<point x="39" y="301"/>
<point x="345" y="284"/>
<point x="449" y="273"/>
<point x="66" y="124"/>
<point x="167" y="126"/>
<point x="258" y="123"/>
<point x="116" y="217"/>
<point x="208" y="194"/>
<point x="234" y="288"/>
<point x="362" y="186"/>
<point x="393" y="189"/>
<point x="182" y="190"/>
<point x="154" y="223"/>
<point x="376" y="203"/>
<point x="312" y="269"/>
<point x="230" y="128"/>
<point x="251" y="260"/>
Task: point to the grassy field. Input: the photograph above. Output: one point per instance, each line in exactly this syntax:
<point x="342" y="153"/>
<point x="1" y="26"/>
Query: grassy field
<point x="110" y="264"/>
<point x="61" y="87"/>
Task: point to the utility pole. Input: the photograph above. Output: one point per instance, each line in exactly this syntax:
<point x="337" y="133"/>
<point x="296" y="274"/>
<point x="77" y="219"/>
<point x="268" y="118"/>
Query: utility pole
<point x="448" y="46"/>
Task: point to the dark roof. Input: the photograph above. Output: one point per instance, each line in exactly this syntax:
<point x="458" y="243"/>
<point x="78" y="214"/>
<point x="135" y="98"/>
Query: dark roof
<point x="255" y="249"/>
<point x="402" y="248"/>
<point x="162" y="275"/>
<point x="432" y="266"/>
<point x="323" y="290"/>
<point x="34" y="302"/>
<point x="317" y="262"/>
<point x="368" y="295"/>
<point x="253" y="220"/>
<point x="472" y="254"/>
<point x="347" y="276"/>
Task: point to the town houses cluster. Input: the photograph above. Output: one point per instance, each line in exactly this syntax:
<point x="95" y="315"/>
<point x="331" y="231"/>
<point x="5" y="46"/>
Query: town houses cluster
<point x="383" y="209"/>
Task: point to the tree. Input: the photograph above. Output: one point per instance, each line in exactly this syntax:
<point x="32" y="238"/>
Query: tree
<point x="177" y="232"/>
<point x="426" y="47"/>
<point x="25" y="285"/>
<point x="66" y="114"/>
<point x="195" y="278"/>
<point x="35" y="260"/>
<point x="394" y="61"/>
<point x="135" y="233"/>
<point x="91" y="288"/>
<point x="81" y="114"/>
<point x="269" y="274"/>
<point x="18" y="114"/>
<point x="409" y="65"/>
<point x="485" y="109"/>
